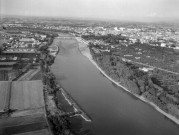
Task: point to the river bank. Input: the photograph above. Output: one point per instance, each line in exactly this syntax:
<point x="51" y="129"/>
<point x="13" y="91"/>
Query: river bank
<point x="86" y="52"/>
<point x="75" y="106"/>
<point x="66" y="95"/>
<point x="63" y="111"/>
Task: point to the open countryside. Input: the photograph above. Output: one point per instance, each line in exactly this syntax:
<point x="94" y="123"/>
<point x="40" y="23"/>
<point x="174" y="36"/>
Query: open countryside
<point x="87" y="67"/>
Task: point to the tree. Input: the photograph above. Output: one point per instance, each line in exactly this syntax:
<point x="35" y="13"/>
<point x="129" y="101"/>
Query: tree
<point x="1" y="49"/>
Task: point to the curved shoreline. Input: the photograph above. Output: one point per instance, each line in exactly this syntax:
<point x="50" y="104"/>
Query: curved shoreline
<point x="87" y="54"/>
<point x="68" y="97"/>
<point x="76" y="107"/>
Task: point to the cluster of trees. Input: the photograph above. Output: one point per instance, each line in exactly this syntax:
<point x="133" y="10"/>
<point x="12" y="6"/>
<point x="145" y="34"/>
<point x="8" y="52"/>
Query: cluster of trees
<point x="110" y="38"/>
<point x="47" y="60"/>
<point x="1" y="49"/>
<point x="59" y="124"/>
<point x="141" y="83"/>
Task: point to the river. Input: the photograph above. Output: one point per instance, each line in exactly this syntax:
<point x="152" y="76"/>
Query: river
<point x="112" y="110"/>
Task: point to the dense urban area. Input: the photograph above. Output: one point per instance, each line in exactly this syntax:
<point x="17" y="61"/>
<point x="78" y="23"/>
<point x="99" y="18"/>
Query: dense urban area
<point x="144" y="58"/>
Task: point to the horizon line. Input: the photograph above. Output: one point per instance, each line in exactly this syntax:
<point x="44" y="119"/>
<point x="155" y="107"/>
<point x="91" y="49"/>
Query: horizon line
<point x="123" y="19"/>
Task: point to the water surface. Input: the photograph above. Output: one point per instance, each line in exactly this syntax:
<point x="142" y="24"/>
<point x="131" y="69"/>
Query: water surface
<point x="113" y="110"/>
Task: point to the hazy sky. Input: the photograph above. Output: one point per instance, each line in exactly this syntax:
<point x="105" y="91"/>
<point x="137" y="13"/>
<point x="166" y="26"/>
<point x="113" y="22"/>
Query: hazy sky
<point x="104" y="9"/>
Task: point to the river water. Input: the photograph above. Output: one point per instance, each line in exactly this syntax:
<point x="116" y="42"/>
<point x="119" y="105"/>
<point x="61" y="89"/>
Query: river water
<point x="113" y="111"/>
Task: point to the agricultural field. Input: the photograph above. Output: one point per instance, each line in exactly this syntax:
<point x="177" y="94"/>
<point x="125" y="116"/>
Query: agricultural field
<point x="30" y="75"/>
<point x="26" y="99"/>
<point x="4" y="94"/>
<point x="26" y="95"/>
<point x="26" y="125"/>
<point x="165" y="58"/>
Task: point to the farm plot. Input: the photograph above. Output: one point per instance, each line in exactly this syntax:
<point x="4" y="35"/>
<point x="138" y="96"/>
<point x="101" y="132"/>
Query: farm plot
<point x="39" y="132"/>
<point x="4" y="95"/>
<point x="26" y="95"/>
<point x="26" y="125"/>
<point x="29" y="75"/>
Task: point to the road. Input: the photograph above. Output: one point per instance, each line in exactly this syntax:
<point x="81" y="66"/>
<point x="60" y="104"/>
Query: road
<point x="176" y="73"/>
